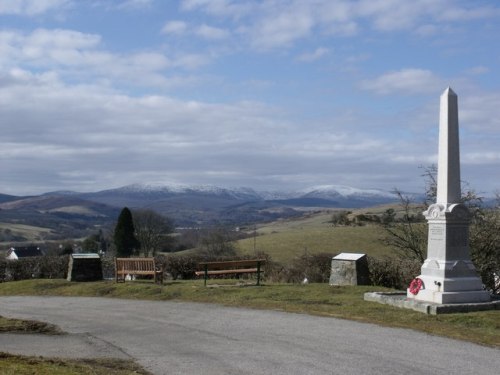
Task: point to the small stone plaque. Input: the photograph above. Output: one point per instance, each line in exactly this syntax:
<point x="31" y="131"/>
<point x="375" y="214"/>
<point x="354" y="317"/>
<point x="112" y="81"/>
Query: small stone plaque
<point x="349" y="269"/>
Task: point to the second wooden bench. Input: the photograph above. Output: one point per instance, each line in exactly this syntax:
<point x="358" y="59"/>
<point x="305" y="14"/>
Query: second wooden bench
<point x="232" y="267"/>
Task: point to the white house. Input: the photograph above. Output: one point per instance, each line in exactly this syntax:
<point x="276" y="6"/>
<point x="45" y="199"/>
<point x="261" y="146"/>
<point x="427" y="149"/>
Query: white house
<point x="14" y="253"/>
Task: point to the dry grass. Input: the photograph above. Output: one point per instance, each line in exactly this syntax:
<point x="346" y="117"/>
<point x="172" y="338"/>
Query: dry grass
<point x="27" y="326"/>
<point x="286" y="239"/>
<point x="23" y="365"/>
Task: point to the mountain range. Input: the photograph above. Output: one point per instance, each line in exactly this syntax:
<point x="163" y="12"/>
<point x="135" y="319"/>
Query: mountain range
<point x="187" y="205"/>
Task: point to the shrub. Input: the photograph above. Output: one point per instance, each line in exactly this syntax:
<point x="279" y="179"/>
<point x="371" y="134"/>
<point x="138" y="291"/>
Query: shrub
<point x="180" y="266"/>
<point x="315" y="267"/>
<point x="393" y="272"/>
<point x="108" y="267"/>
<point x="48" y="267"/>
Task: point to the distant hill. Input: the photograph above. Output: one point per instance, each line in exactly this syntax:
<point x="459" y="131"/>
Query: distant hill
<point x="7" y="198"/>
<point x="57" y="216"/>
<point x="66" y="211"/>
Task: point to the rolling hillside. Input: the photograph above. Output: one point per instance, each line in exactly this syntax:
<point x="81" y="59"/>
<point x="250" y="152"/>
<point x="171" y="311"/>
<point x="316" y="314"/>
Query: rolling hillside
<point x="313" y="233"/>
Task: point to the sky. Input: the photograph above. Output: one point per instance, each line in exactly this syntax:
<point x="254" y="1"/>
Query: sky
<point x="272" y="94"/>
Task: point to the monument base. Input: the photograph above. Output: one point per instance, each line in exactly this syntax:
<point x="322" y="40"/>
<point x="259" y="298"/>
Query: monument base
<point x="399" y="299"/>
<point x="450" y="290"/>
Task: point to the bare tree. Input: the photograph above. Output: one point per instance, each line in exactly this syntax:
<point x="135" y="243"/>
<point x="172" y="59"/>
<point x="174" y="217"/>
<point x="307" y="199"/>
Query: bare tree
<point x="485" y="244"/>
<point x="218" y="242"/>
<point x="151" y="229"/>
<point x="408" y="234"/>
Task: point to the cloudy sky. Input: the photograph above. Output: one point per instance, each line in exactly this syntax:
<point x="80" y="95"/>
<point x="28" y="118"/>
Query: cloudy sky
<point x="269" y="94"/>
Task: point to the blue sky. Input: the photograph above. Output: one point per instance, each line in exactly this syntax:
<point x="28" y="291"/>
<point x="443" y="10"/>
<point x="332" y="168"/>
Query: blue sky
<point x="275" y="94"/>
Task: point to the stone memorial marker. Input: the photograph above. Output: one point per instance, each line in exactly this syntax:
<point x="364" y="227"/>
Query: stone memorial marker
<point x="349" y="269"/>
<point x="84" y="267"/>
<point x="448" y="275"/>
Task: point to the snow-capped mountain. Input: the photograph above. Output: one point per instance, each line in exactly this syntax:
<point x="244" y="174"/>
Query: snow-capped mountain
<point x="327" y="195"/>
<point x="194" y="205"/>
<point x="334" y="191"/>
<point x="152" y="191"/>
<point x="328" y="192"/>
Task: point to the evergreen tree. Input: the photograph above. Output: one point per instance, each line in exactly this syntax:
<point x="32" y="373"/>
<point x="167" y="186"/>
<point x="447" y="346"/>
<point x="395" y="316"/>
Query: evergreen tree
<point x="124" y="236"/>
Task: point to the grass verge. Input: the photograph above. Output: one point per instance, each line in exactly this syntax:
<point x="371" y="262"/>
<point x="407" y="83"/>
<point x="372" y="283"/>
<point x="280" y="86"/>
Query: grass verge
<point x="316" y="299"/>
<point x="27" y="326"/>
<point x="23" y="365"/>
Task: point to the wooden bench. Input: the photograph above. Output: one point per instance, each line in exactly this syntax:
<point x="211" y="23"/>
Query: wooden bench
<point x="233" y="267"/>
<point x="137" y="266"/>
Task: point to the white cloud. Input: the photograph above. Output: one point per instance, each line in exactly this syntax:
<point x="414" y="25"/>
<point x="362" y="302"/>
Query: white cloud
<point x="80" y="56"/>
<point x="212" y="33"/>
<point x="277" y="30"/>
<point x="135" y="4"/>
<point x="405" y="81"/>
<point x="317" y="54"/>
<point x="30" y="7"/>
<point x="477" y="112"/>
<point x="43" y="46"/>
<point x="478" y="70"/>
<point x="113" y="139"/>
<point x="221" y="8"/>
<point x="427" y="30"/>
<point x="174" y="27"/>
<point x="280" y="24"/>
<point x="83" y="112"/>
<point x="203" y="31"/>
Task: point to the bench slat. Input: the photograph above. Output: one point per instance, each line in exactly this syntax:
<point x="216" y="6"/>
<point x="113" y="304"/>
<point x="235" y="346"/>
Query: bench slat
<point x="234" y="267"/>
<point x="231" y="264"/>
<point x="227" y="272"/>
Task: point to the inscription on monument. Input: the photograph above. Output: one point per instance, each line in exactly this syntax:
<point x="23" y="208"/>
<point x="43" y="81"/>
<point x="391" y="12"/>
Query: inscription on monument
<point x="436" y="233"/>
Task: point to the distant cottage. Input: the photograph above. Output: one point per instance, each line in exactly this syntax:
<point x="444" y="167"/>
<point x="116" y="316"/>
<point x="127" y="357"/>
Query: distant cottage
<point x="15" y="253"/>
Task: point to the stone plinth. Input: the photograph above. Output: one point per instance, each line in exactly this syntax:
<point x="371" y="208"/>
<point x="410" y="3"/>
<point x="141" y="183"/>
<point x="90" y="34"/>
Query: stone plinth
<point x="448" y="275"/>
<point x="399" y="299"/>
<point x="84" y="267"/>
<point x="349" y="269"/>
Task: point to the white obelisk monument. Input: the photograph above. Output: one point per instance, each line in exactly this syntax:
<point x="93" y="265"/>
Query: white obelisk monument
<point x="448" y="275"/>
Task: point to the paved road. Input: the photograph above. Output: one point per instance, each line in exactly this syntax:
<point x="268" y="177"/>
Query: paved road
<point x="190" y="338"/>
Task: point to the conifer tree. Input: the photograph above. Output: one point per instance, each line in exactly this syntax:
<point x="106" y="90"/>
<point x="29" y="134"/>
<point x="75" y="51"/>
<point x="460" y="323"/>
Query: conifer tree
<point x="124" y="236"/>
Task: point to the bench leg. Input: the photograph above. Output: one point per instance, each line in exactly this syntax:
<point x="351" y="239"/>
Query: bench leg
<point x="206" y="275"/>
<point x="258" y="273"/>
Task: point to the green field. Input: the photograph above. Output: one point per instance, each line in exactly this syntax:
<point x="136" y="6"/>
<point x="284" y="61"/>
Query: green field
<point x="314" y="233"/>
<point x="30" y="233"/>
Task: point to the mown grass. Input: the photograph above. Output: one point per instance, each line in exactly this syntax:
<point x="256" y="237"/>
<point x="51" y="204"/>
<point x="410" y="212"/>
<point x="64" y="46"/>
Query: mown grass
<point x="315" y="299"/>
<point x="23" y="365"/>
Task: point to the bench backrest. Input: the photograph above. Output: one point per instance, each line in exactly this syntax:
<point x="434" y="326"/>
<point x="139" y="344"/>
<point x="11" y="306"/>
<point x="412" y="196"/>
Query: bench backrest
<point x="135" y="264"/>
<point x="231" y="264"/>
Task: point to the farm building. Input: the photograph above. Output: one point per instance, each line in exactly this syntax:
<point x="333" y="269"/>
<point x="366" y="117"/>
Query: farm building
<point x="14" y="253"/>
